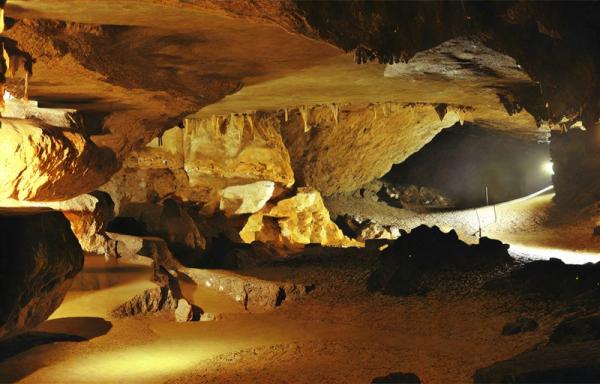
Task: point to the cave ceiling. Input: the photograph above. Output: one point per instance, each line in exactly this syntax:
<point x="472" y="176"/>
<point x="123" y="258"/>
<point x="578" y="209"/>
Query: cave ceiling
<point x="146" y="64"/>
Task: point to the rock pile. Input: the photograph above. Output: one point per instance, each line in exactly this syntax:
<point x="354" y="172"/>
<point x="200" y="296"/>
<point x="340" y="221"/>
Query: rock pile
<point x="426" y="251"/>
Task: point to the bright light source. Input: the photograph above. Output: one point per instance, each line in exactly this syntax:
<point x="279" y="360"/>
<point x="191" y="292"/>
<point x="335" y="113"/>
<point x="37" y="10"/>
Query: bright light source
<point x="548" y="167"/>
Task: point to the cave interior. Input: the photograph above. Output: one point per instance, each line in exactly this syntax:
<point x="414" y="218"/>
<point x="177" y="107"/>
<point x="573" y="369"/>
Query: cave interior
<point x="259" y="191"/>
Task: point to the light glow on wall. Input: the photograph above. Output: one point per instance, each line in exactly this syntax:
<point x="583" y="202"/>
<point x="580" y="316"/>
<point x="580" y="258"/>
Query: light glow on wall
<point x="548" y="167"/>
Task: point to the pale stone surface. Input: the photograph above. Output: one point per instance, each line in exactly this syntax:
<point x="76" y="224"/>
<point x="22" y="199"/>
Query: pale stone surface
<point x="301" y="219"/>
<point x="184" y="311"/>
<point x="40" y="163"/>
<point x="39" y="257"/>
<point x="247" y="198"/>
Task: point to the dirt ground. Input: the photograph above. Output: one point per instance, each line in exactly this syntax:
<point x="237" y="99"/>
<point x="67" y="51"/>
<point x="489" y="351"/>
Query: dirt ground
<point x="339" y="333"/>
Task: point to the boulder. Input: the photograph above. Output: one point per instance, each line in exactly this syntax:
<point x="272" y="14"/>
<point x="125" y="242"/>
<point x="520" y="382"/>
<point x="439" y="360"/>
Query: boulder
<point x="43" y="163"/>
<point x="296" y="221"/>
<point x="247" y="198"/>
<point x="425" y="251"/>
<point x="39" y="257"/>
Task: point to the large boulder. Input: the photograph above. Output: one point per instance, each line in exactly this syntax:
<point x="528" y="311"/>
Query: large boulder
<point x="39" y="256"/>
<point x="43" y="163"/>
<point x="405" y="266"/>
<point x="298" y="220"/>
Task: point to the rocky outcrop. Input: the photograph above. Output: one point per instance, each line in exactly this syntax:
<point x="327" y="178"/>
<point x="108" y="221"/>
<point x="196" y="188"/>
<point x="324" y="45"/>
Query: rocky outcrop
<point x="256" y="295"/>
<point x="295" y="221"/>
<point x="332" y="154"/>
<point x="39" y="257"/>
<point x="41" y="163"/>
<point x="203" y="161"/>
<point x="395" y="31"/>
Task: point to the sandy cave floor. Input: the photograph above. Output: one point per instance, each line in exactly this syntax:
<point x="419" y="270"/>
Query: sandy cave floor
<point x="338" y="333"/>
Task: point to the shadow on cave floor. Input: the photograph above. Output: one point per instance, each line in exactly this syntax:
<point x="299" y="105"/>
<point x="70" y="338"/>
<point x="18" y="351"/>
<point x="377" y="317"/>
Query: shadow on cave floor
<point x="68" y="329"/>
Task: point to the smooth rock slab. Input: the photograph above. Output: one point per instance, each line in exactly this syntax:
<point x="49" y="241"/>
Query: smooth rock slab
<point x="39" y="256"/>
<point x="247" y="198"/>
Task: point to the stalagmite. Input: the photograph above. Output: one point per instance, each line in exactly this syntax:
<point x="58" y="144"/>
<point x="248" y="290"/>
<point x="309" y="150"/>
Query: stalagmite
<point x="304" y="113"/>
<point x="335" y="110"/>
<point x="286" y="114"/>
<point x="251" y="123"/>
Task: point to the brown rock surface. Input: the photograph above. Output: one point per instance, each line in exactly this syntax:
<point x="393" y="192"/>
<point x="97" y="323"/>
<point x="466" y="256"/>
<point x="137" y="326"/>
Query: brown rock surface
<point x="39" y="256"/>
<point x="88" y="214"/>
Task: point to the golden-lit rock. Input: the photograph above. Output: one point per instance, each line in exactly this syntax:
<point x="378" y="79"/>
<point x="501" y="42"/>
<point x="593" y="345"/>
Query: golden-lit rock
<point x="365" y="143"/>
<point x="299" y="220"/>
<point x="39" y="256"/>
<point x="247" y="198"/>
<point x="42" y="163"/>
<point x="199" y="161"/>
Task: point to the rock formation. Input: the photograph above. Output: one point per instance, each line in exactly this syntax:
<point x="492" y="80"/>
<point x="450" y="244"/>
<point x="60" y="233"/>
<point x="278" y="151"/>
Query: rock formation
<point x="39" y="258"/>
<point x="42" y="163"/>
<point x="88" y="214"/>
<point x="296" y="221"/>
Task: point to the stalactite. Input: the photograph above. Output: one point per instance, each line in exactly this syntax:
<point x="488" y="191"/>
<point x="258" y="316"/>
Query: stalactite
<point x="26" y="87"/>
<point x="304" y="113"/>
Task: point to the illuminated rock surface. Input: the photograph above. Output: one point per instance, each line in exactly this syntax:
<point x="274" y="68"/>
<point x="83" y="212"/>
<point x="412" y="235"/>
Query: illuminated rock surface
<point x="41" y="163"/>
<point x="298" y="220"/>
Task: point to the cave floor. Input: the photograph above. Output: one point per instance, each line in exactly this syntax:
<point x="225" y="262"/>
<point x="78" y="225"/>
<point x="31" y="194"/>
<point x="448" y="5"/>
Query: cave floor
<point x="338" y="333"/>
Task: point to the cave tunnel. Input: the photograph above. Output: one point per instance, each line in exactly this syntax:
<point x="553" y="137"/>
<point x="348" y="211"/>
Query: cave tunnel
<point x="299" y="191"/>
